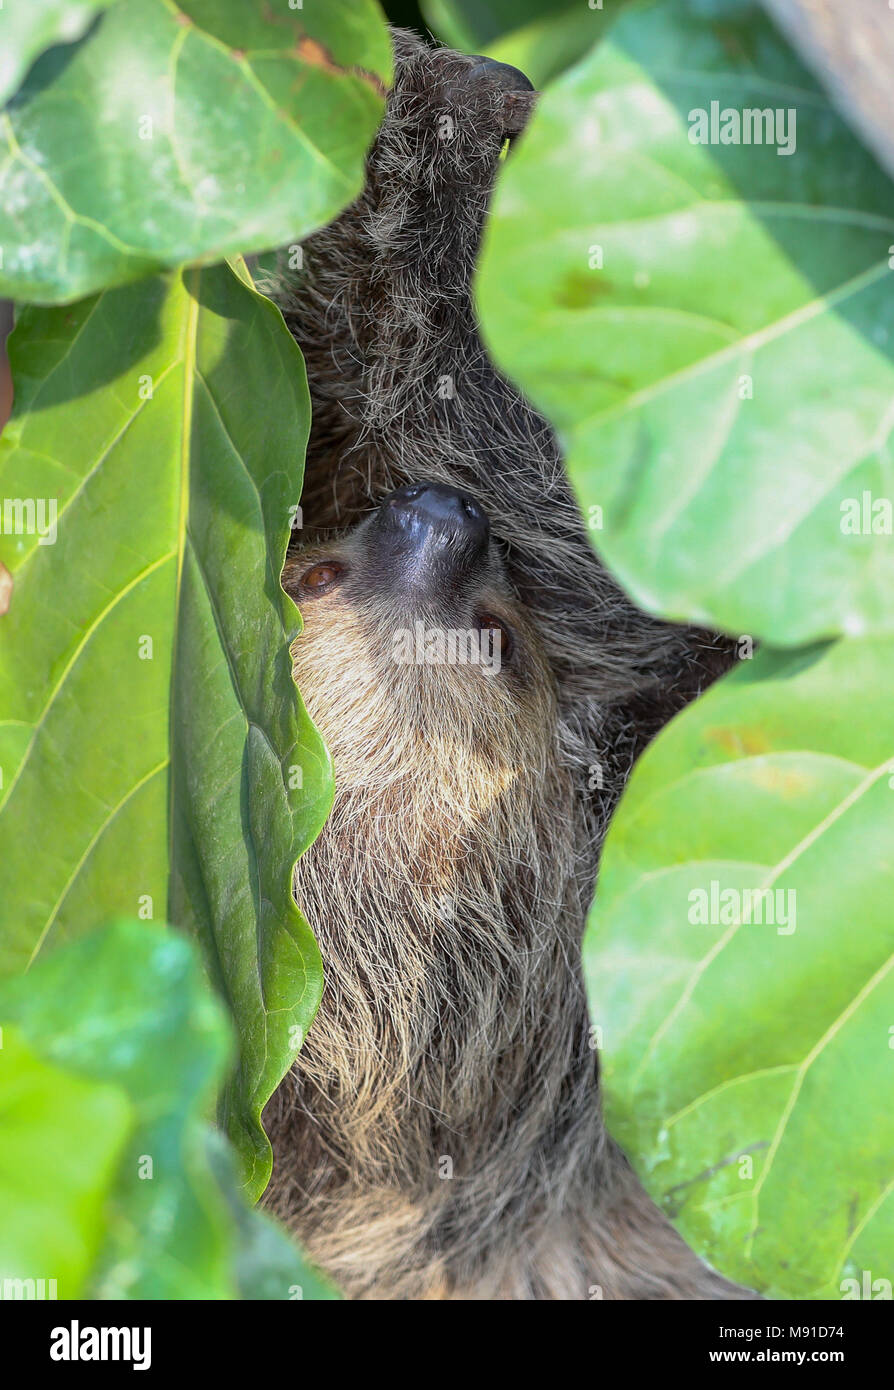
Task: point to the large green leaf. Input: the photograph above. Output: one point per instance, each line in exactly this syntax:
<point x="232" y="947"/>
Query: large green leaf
<point x="154" y="755"/>
<point x="173" y="134"/>
<point x="27" y="27"/>
<point x="748" y="1063"/>
<point x="710" y="327"/>
<point x="111" y="1181"/>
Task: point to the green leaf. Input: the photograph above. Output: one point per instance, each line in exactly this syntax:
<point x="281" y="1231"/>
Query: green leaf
<point x="764" y="1038"/>
<point x="26" y="29"/>
<point x="50" y="1209"/>
<point x="170" y="134"/>
<point x="111" y="1180"/>
<point x="710" y="327"/>
<point x="147" y="708"/>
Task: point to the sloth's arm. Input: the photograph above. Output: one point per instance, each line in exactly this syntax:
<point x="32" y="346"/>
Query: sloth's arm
<point x="381" y="305"/>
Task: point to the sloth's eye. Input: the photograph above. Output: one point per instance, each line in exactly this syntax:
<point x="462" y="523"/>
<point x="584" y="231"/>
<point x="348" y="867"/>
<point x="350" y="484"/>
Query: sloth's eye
<point x="502" y="638"/>
<point x="321" y="577"/>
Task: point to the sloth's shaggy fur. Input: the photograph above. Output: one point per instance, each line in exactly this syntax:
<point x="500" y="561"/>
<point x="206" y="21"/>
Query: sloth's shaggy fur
<point x="440" y="1134"/>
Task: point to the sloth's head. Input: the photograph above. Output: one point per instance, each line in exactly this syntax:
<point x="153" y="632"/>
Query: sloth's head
<point x="423" y="672"/>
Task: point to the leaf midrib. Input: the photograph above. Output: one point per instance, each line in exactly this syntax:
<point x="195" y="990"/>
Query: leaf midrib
<point x="189" y="343"/>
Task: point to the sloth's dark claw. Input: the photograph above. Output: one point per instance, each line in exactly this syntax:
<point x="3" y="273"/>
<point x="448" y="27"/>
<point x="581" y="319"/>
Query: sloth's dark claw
<point x="509" y="86"/>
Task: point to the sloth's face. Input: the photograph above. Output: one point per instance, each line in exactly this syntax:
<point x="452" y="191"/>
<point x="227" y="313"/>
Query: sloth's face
<point x="416" y="661"/>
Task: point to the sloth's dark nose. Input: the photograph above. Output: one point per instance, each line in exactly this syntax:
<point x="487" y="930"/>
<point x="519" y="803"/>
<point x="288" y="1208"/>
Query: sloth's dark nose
<point x="444" y="509"/>
<point x="429" y="536"/>
<point x="500" y="75"/>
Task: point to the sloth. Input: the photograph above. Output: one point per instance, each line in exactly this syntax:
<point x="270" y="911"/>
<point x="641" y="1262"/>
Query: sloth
<point x="440" y="1134"/>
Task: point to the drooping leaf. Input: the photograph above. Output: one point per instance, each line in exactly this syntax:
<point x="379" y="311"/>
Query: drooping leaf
<point x="153" y="747"/>
<point x="173" y="134"/>
<point x="709" y="326"/>
<point x="748" y="1065"/>
<point x="26" y="29"/>
<point x="111" y="1180"/>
